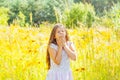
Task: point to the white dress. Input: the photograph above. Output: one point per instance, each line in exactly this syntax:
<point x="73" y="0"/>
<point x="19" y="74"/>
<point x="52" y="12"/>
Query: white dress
<point x="61" y="71"/>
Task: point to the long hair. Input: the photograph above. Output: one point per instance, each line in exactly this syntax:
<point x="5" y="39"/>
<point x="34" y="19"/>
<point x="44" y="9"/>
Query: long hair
<point x="53" y="40"/>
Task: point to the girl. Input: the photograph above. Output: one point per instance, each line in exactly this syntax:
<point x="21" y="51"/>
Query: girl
<point x="59" y="51"/>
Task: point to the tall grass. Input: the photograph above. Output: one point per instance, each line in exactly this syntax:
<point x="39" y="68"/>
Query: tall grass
<point x="23" y="52"/>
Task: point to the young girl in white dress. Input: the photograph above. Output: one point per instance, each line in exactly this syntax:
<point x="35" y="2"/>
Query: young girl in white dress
<point x="59" y="51"/>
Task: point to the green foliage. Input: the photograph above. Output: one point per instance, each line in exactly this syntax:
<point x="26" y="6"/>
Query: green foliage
<point x="52" y="8"/>
<point x="21" y="19"/>
<point x="25" y="7"/>
<point x="46" y="12"/>
<point x="41" y="10"/>
<point x="89" y="19"/>
<point x="1" y="2"/>
<point x="112" y="17"/>
<point x="77" y="14"/>
<point x="114" y="14"/>
<point x="101" y="5"/>
<point x="72" y="13"/>
<point x="3" y="15"/>
<point x="63" y="5"/>
<point x="77" y="1"/>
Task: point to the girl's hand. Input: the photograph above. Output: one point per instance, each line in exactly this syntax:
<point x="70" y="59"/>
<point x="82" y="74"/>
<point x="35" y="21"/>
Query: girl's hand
<point x="61" y="41"/>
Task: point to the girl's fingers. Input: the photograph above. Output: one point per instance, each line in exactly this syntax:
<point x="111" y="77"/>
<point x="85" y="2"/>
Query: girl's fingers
<point x="61" y="41"/>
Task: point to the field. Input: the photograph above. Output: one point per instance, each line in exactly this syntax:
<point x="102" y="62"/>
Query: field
<point x="23" y="53"/>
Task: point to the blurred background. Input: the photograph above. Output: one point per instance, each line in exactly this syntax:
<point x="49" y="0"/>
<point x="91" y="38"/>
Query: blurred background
<point x="93" y="26"/>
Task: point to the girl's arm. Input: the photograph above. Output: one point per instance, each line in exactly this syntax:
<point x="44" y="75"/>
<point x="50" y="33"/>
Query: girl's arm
<point x="56" y="55"/>
<point x="70" y="50"/>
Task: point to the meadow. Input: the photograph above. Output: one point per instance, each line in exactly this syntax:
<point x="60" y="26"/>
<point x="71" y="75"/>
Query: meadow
<point x="23" y="53"/>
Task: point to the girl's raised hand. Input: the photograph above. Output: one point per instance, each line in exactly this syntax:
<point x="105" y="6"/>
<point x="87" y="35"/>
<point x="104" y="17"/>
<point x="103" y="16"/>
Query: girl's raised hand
<point x="61" y="41"/>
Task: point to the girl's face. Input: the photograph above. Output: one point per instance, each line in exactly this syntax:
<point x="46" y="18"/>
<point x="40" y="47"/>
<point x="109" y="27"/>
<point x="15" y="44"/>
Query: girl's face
<point x="60" y="33"/>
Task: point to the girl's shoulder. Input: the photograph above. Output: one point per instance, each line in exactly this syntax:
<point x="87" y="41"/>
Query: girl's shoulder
<point x="54" y="46"/>
<point x="69" y="43"/>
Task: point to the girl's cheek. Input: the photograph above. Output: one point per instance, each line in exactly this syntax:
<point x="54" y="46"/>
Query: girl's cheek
<point x="57" y="36"/>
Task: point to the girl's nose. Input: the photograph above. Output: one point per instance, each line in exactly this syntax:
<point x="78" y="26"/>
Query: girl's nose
<point x="61" y="32"/>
